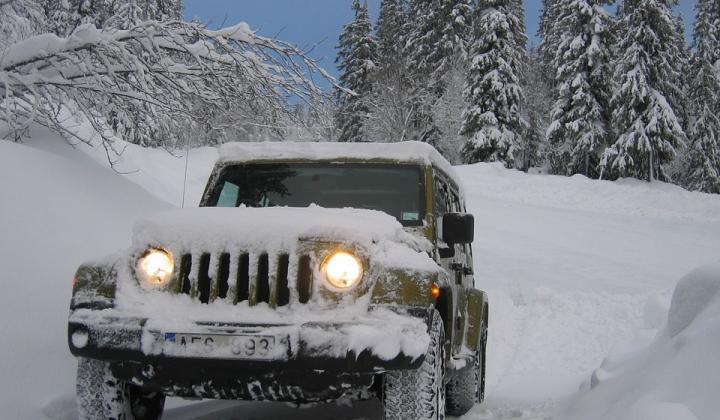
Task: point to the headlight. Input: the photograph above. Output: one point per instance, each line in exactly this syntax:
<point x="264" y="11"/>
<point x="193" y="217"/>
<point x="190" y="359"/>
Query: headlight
<point x="155" y="267"/>
<point x="342" y="270"/>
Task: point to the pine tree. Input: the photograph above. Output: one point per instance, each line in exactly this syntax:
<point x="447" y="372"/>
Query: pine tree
<point x="537" y="92"/>
<point x="578" y="132"/>
<point x="391" y="99"/>
<point x="549" y="36"/>
<point x="704" y="154"/>
<point x="492" y="122"/>
<point x="644" y="108"/>
<point x="389" y="31"/>
<point x="455" y="25"/>
<point x="356" y="61"/>
<point x="423" y="34"/>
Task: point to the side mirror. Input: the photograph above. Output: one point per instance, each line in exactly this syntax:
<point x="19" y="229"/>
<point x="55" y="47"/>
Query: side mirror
<point x="458" y="228"/>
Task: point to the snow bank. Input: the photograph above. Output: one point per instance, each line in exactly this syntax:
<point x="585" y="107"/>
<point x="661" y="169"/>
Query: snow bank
<point x="628" y="197"/>
<point x="678" y="375"/>
<point x="54" y="213"/>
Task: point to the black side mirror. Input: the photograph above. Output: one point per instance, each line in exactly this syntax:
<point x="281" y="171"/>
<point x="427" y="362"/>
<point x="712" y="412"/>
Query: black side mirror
<point x="458" y="228"/>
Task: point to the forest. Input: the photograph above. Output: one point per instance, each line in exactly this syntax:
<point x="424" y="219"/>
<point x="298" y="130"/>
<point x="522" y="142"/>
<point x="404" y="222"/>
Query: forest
<point x="612" y="90"/>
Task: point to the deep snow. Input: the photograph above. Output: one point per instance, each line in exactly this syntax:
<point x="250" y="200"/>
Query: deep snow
<point x="577" y="271"/>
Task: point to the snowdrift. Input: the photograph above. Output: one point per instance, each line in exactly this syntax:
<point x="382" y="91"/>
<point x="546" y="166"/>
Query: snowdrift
<point x="54" y="213"/>
<point x="675" y="378"/>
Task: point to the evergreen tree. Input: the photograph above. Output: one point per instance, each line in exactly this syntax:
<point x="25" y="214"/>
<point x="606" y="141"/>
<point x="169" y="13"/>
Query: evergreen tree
<point x="704" y="154"/>
<point x="356" y="61"/>
<point x="423" y="34"/>
<point x="492" y="121"/>
<point x="455" y="27"/>
<point x="549" y="36"/>
<point x="644" y="107"/>
<point x="389" y="31"/>
<point x="578" y="131"/>
<point x="537" y="92"/>
<point x="391" y="100"/>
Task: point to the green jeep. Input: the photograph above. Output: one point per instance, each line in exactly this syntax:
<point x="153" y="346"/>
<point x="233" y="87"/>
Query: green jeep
<point x="310" y="273"/>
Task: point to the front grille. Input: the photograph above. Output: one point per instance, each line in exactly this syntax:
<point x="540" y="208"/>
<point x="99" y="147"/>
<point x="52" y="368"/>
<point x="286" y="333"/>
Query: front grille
<point x="277" y="280"/>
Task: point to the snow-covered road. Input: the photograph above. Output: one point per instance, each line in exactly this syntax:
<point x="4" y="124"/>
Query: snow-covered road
<point x="576" y="270"/>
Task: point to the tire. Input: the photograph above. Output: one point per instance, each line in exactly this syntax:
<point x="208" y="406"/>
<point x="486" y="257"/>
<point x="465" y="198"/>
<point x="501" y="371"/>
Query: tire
<point x="466" y="386"/>
<point x="101" y="396"/>
<point x="419" y="394"/>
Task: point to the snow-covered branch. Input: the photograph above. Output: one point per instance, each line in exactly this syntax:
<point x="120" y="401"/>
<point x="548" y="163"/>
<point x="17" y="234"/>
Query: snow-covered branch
<point x="143" y="80"/>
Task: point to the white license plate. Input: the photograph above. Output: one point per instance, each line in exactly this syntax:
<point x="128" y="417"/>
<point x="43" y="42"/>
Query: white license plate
<point x="243" y="346"/>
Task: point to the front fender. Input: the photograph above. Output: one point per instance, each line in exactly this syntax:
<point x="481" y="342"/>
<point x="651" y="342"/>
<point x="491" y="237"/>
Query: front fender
<point x="406" y="288"/>
<point x="94" y="286"/>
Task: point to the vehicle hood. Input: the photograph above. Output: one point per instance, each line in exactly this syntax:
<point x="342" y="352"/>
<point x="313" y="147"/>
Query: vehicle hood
<point x="281" y="229"/>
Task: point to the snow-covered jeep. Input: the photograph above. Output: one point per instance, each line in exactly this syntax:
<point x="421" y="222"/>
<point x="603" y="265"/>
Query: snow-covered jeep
<point x="311" y="272"/>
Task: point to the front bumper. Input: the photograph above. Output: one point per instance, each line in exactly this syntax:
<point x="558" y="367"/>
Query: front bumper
<point x="310" y="362"/>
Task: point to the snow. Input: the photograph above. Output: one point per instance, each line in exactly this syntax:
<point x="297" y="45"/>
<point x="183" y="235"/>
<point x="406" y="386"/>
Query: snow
<point x="209" y="228"/>
<point x="408" y="151"/>
<point x="55" y="212"/>
<point x="580" y="275"/>
<point x="677" y="376"/>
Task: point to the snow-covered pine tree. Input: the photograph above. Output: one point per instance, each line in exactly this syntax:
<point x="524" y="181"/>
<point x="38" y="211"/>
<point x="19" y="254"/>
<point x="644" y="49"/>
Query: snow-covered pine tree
<point x="391" y="101"/>
<point x="438" y="37"/>
<point x="389" y="31"/>
<point x="492" y="121"/>
<point x="451" y="48"/>
<point x="537" y="92"/>
<point x="549" y="36"/>
<point x="356" y="61"/>
<point x="703" y="158"/>
<point x="577" y="135"/>
<point x="648" y="130"/>
<point x="423" y="34"/>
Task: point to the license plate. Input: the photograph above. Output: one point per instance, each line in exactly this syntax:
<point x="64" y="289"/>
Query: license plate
<point x="243" y="346"/>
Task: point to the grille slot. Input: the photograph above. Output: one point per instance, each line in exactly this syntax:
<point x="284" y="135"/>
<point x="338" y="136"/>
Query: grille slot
<point x="203" y="281"/>
<point x="184" y="274"/>
<point x="223" y="274"/>
<point x="283" y="291"/>
<point x="304" y="279"/>
<point x="262" y="291"/>
<point x="244" y="277"/>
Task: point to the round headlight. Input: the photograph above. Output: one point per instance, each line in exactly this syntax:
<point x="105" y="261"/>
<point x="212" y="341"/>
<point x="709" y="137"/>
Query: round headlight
<point x="155" y="266"/>
<point x="342" y="270"/>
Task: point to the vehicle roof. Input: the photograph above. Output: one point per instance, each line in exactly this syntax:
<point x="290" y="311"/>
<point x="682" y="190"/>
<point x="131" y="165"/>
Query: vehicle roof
<point x="407" y="151"/>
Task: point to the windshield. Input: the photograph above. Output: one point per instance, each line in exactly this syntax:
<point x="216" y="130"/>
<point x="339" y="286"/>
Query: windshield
<point x="394" y="189"/>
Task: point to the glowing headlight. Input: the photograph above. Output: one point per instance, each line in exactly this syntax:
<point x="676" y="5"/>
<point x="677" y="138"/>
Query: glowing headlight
<point x="342" y="270"/>
<point x="155" y="266"/>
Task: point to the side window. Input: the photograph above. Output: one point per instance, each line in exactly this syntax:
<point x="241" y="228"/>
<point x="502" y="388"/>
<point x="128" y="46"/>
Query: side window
<point x="440" y="198"/>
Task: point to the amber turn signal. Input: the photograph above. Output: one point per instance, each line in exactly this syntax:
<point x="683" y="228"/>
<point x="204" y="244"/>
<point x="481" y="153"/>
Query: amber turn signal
<point x="435" y="291"/>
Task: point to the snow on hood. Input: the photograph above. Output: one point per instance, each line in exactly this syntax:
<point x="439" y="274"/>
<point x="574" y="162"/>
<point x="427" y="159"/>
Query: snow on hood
<point x="279" y="228"/>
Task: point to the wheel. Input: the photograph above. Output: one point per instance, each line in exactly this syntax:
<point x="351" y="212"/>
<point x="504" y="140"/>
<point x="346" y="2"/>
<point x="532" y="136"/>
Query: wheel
<point x="420" y="393"/>
<point x="101" y="396"/>
<point x="466" y="386"/>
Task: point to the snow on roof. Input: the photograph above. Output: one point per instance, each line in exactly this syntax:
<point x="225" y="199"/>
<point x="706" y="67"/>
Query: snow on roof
<point x="407" y="151"/>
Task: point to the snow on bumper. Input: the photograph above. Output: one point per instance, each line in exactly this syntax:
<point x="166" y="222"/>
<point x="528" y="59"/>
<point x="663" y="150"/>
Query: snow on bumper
<point x="382" y="340"/>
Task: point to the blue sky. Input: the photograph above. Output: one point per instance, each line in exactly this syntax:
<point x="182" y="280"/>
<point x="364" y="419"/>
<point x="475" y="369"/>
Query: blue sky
<point x="317" y="23"/>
